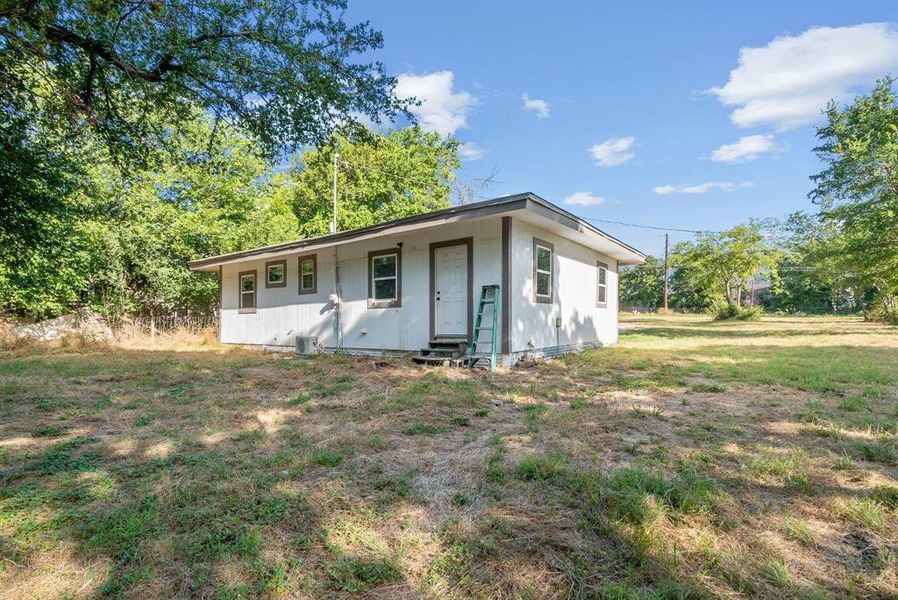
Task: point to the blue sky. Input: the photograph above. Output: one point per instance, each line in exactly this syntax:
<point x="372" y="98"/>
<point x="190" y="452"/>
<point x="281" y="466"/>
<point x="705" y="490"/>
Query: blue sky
<point x="693" y="115"/>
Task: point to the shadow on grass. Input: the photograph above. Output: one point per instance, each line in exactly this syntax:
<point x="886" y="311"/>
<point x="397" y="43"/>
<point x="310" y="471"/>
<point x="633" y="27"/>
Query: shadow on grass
<point x="705" y="331"/>
<point x="301" y="507"/>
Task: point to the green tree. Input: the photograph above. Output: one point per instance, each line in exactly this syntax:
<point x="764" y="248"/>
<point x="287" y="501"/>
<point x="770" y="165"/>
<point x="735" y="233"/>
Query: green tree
<point x="725" y="265"/>
<point x="127" y="246"/>
<point x="858" y="190"/>
<point x="130" y="76"/>
<point x="687" y="292"/>
<point x="642" y="286"/>
<point x="813" y="274"/>
<point x="380" y="177"/>
<point x="286" y="71"/>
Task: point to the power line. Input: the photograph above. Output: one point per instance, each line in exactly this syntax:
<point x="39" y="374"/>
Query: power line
<point x="425" y="183"/>
<point x="652" y="226"/>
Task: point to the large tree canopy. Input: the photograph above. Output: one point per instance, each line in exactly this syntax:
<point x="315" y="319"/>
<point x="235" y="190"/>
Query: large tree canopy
<point x="122" y="243"/>
<point x="858" y="189"/>
<point x="725" y="264"/>
<point x="380" y="177"/>
<point x="286" y="71"/>
<point x="642" y="286"/>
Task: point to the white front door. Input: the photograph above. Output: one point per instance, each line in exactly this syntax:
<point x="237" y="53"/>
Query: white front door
<point x="451" y="291"/>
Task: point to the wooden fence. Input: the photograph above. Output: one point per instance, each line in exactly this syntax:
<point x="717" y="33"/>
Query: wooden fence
<point x="190" y="322"/>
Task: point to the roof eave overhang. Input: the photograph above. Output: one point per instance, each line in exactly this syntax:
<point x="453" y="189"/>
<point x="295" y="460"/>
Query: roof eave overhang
<point x="416" y="223"/>
<point x="500" y="206"/>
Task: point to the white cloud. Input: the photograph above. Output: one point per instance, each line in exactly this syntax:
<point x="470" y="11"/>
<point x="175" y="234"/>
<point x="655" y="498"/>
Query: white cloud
<point x="441" y="110"/>
<point x="541" y="107"/>
<point x="585" y="199"/>
<point x="789" y="81"/>
<point x="615" y="151"/>
<point x="701" y="188"/>
<point x="747" y="148"/>
<point x="470" y="151"/>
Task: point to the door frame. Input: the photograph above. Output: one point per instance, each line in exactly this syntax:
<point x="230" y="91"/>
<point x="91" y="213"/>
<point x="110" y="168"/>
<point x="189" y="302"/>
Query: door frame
<point x="469" y="243"/>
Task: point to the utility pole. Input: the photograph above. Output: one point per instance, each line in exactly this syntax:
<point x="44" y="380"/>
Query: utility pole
<point x="665" y="272"/>
<point x="334" y="221"/>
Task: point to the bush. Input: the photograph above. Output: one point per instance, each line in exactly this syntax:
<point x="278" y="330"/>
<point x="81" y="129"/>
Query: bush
<point x="884" y="309"/>
<point x="725" y="311"/>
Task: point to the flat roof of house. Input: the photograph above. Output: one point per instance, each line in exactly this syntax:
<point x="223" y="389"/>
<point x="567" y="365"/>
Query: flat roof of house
<point x="497" y="206"/>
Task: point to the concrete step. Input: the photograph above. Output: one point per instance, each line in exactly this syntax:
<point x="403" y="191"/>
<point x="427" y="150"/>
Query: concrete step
<point x="447" y="352"/>
<point x="447" y="342"/>
<point x="439" y="361"/>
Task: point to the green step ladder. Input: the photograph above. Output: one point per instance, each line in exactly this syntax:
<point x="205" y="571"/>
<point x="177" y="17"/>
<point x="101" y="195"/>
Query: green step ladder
<point x="489" y="296"/>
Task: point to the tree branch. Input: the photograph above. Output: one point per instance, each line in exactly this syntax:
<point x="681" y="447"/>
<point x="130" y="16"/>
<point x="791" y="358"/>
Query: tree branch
<point x="57" y="33"/>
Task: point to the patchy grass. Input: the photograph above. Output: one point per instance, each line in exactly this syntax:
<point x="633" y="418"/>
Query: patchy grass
<point x="695" y="459"/>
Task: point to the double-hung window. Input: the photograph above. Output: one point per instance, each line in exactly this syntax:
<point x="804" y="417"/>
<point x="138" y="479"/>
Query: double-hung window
<point x="385" y="278"/>
<point x="247" y="280"/>
<point x="308" y="274"/>
<point x="601" y="285"/>
<point x="543" y="271"/>
<point x="276" y="274"/>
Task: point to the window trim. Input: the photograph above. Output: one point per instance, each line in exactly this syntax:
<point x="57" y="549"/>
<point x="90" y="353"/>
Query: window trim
<point x="599" y="266"/>
<point x="240" y="308"/>
<point x="539" y="298"/>
<point x="276" y="284"/>
<point x="397" y="302"/>
<point x="314" y="288"/>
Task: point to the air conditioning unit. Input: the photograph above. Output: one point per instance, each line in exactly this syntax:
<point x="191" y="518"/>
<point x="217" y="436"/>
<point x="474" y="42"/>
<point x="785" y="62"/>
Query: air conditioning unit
<point x="306" y="345"/>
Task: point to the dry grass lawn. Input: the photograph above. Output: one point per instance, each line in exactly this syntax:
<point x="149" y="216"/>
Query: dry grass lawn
<point x="695" y="459"/>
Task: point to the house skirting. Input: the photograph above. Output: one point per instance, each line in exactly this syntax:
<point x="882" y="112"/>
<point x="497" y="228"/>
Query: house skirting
<point x="505" y="360"/>
<point x="510" y="360"/>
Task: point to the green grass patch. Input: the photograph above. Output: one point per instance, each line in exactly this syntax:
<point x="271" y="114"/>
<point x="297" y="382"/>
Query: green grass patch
<point x="147" y="418"/>
<point x="787" y="466"/>
<point x="541" y="468"/>
<point x="776" y="572"/>
<point x="867" y="512"/>
<point x="796" y="530"/>
<point x="326" y="457"/>
<point x="532" y="414"/>
<point x="300" y="399"/>
<point x="636" y="494"/>
<point x="422" y="428"/>
<point x="886" y="495"/>
<point x="48" y="431"/>
<point x="882" y="452"/>
<point x="354" y="574"/>
<point x="70" y="456"/>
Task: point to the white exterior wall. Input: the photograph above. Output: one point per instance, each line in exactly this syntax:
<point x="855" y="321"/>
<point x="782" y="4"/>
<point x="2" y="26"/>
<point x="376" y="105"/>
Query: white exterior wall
<point x="574" y="299"/>
<point x="282" y="313"/>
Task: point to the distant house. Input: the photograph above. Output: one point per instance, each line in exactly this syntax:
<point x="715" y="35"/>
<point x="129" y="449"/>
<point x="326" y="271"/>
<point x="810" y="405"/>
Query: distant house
<point x="415" y="283"/>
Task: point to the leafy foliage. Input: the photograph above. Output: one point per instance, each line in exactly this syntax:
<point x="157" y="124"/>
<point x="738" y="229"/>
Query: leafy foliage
<point x="726" y="265"/>
<point x="380" y="177"/>
<point x="286" y="72"/>
<point x="642" y="286"/>
<point x="119" y="241"/>
<point x="724" y="311"/>
<point x="126" y="246"/>
<point x="813" y="276"/>
<point x="858" y="190"/>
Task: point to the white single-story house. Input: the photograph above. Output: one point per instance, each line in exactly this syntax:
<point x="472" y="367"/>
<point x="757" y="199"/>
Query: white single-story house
<point x="415" y="283"/>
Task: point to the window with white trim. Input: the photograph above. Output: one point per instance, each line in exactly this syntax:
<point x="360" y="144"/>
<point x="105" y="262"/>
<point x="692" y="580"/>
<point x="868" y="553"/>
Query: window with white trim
<point x="247" y="281"/>
<point x="384" y="279"/>
<point x="308" y="274"/>
<point x="543" y="268"/>
<point x="276" y="274"/>
<point x="601" y="285"/>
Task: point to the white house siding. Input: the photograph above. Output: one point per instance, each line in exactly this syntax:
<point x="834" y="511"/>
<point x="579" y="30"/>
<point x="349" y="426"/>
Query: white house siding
<point x="583" y="324"/>
<point x="282" y="313"/>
